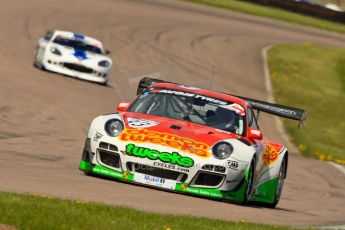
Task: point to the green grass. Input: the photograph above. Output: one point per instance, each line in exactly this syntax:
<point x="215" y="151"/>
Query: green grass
<point x="42" y="212"/>
<point x="274" y="13"/>
<point x="313" y="77"/>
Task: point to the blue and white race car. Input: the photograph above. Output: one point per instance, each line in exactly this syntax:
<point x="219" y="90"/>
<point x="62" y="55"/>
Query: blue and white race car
<point x="73" y="54"/>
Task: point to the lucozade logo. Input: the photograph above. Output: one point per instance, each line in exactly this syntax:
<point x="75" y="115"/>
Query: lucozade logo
<point x="166" y="139"/>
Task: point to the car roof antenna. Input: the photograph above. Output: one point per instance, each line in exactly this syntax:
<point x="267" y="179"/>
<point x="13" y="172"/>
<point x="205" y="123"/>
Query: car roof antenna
<point x="212" y="78"/>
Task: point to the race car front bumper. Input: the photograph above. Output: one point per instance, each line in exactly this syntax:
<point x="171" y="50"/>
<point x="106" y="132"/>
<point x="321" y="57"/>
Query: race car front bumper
<point x="206" y="182"/>
<point x="77" y="70"/>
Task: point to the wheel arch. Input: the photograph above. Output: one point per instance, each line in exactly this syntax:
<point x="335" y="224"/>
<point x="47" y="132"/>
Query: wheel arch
<point x="286" y="156"/>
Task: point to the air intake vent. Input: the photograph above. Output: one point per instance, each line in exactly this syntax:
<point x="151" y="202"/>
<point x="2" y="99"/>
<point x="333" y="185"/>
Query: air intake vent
<point x="107" y="146"/>
<point x="109" y="158"/>
<point x="208" y="179"/>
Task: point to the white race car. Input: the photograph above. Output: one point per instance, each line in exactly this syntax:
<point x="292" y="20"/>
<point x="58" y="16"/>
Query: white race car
<point x="73" y="54"/>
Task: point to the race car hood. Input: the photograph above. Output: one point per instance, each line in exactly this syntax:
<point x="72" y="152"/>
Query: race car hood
<point x="182" y="135"/>
<point x="79" y="55"/>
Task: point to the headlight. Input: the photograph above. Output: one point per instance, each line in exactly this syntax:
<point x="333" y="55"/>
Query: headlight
<point x="222" y="150"/>
<point x="55" y="51"/>
<point x="113" y="127"/>
<point x="104" y="63"/>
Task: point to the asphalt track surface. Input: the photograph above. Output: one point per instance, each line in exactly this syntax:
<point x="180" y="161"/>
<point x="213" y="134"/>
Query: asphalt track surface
<point x="44" y="117"/>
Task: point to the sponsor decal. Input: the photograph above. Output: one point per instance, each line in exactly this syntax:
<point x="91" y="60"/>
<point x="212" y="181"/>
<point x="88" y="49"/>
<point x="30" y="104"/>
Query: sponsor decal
<point x="233" y="164"/>
<point x="196" y="96"/>
<point x="156" y="181"/>
<point x="164" y="165"/>
<point x="204" y="192"/>
<point x="165" y="157"/>
<point x="170" y="166"/>
<point x="166" y="139"/>
<point x="97" y="136"/>
<point x="275" y="109"/>
<point x="140" y="123"/>
<point x="107" y="172"/>
<point x="125" y="175"/>
<point x="269" y="155"/>
<point x="184" y="187"/>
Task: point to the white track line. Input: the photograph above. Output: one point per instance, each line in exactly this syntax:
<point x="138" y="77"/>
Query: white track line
<point x="338" y="166"/>
<point x="268" y="83"/>
<point x="339" y="227"/>
<point x="270" y="98"/>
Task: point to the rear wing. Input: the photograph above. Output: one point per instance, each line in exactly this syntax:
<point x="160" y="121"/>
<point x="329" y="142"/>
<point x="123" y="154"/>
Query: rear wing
<point x="275" y="109"/>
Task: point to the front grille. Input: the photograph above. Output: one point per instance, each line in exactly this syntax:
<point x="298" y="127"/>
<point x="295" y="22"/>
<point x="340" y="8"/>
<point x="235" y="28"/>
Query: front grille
<point x="109" y="158"/>
<point x="77" y="67"/>
<point x="208" y="167"/>
<point x="110" y="147"/>
<point x="208" y="179"/>
<point x="158" y="172"/>
<point x="219" y="168"/>
<point x="216" y="168"/>
<point x="103" y="145"/>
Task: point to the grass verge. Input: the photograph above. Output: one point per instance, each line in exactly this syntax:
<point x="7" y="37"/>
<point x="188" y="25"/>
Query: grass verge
<point x="45" y="212"/>
<point x="274" y="13"/>
<point x="313" y="77"/>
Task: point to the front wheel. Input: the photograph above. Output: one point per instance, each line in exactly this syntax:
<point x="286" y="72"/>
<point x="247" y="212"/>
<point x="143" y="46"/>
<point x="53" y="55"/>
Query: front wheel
<point x="38" y="60"/>
<point x="250" y="182"/>
<point x="280" y="183"/>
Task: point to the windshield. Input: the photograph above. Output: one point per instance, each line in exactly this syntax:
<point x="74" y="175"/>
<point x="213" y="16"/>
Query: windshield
<point x="77" y="44"/>
<point x="199" y="109"/>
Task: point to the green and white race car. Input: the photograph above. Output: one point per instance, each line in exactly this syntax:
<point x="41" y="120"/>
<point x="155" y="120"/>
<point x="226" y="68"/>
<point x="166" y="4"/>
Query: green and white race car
<point x="190" y="140"/>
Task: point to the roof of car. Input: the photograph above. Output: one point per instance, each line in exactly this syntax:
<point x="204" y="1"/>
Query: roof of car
<point x="87" y="39"/>
<point x="204" y="92"/>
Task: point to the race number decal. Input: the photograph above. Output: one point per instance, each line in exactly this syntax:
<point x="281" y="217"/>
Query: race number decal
<point x="140" y="123"/>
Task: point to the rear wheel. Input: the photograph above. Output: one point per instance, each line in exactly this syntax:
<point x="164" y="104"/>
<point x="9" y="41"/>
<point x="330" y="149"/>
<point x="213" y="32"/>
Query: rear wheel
<point x="280" y="183"/>
<point x="250" y="182"/>
<point x="104" y="83"/>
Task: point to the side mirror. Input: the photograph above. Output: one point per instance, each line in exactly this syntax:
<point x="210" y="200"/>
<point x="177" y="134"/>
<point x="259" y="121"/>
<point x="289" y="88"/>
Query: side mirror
<point x="254" y="134"/>
<point x="107" y="52"/>
<point x="123" y="106"/>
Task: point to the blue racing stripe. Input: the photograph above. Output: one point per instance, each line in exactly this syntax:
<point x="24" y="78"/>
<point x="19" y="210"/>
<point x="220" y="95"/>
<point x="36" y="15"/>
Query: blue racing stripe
<point x="79" y="36"/>
<point x="80" y="54"/>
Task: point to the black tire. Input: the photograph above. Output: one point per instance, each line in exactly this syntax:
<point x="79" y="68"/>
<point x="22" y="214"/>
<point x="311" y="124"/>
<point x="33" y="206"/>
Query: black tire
<point x="280" y="184"/>
<point x="249" y="185"/>
<point x="37" y="64"/>
<point x="104" y="83"/>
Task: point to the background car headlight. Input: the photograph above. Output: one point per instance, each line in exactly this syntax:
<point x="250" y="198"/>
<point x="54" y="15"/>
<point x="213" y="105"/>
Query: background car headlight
<point x="55" y="51"/>
<point x="222" y="150"/>
<point x="113" y="127"/>
<point x="104" y="63"/>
